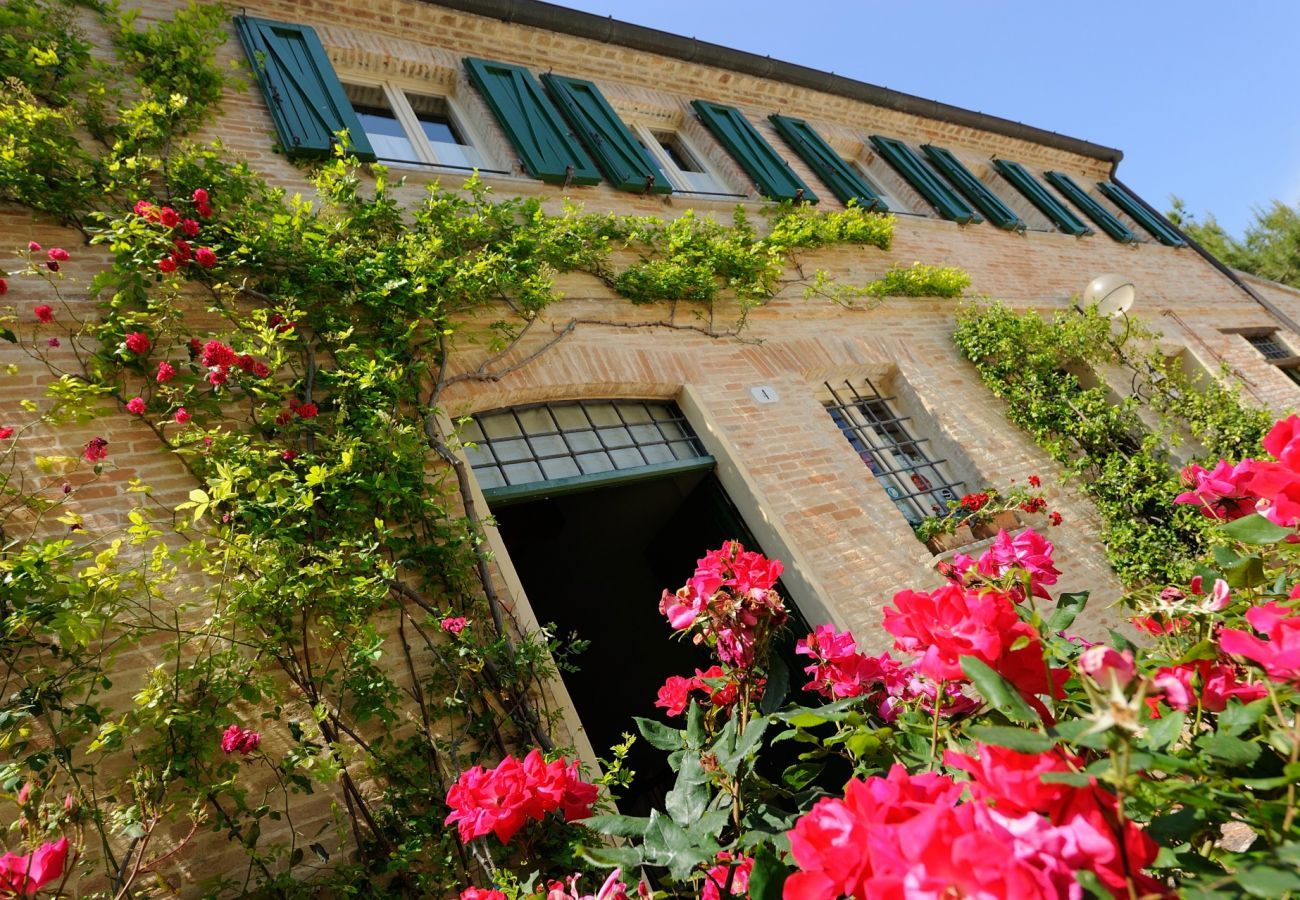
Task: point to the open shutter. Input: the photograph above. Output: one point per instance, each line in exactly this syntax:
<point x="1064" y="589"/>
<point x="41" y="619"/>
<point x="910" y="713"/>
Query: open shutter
<point x="843" y="180"/>
<point x="546" y="147"/>
<point x="615" y="149"/>
<point x="972" y="188"/>
<point x="1159" y="228"/>
<point x="304" y="95"/>
<point x="1091" y="208"/>
<point x="927" y="184"/>
<point x="1019" y="176"/>
<point x="773" y="175"/>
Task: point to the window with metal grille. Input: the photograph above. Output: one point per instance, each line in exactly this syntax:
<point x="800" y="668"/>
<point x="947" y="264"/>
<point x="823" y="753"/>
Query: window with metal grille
<point x="550" y="442"/>
<point x="893" y="453"/>
<point x="1269" y="345"/>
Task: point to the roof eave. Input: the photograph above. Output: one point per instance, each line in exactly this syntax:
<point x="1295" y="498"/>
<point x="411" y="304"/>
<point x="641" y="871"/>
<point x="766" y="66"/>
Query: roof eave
<point x="551" y="17"/>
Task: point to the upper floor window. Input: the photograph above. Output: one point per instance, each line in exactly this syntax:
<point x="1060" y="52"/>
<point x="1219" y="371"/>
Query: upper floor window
<point x="682" y="164"/>
<point x="893" y="453"/>
<point x="1272" y="347"/>
<point x="409" y="127"/>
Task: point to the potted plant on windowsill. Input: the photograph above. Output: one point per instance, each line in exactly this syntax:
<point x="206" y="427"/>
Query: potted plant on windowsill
<point x="982" y="514"/>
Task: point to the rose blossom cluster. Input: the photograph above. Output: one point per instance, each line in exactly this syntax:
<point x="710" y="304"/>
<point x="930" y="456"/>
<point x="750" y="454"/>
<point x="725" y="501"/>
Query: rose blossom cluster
<point x="612" y="889"/>
<point x="21" y="875"/>
<point x="219" y="359"/>
<point x="181" y="252"/>
<point x="907" y="835"/>
<point x="839" y="670"/>
<point x="500" y="801"/>
<point x="729" y="603"/>
<point x="1269" y="487"/>
<point x="240" y="740"/>
<point x="714" y="683"/>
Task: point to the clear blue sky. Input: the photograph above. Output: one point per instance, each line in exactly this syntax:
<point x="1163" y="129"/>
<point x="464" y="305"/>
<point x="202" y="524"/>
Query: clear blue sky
<point x="1203" y="97"/>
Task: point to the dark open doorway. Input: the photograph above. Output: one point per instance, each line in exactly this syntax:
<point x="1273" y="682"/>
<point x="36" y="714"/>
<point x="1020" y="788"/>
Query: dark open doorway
<point x="595" y="563"/>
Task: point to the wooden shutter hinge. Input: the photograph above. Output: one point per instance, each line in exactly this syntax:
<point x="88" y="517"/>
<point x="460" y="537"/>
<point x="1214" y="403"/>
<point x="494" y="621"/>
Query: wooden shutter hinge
<point x="568" y="177"/>
<point x="649" y="184"/>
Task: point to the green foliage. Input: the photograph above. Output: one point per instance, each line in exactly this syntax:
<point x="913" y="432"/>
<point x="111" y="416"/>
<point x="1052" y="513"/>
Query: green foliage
<point x="1269" y="249"/>
<point x="1049" y="374"/>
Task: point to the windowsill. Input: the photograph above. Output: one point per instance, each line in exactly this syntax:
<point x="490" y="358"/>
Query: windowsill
<point x="416" y="165"/>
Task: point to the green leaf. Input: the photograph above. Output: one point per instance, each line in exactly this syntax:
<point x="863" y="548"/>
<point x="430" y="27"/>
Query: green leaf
<point x="619" y="826"/>
<point x="1017" y="739"/>
<point x="629" y="859"/>
<point x="1255" y="529"/>
<point x="8" y="335"/>
<point x="695" y="726"/>
<point x="997" y="691"/>
<point x="730" y="758"/>
<point x="1227" y="749"/>
<point x="767" y="878"/>
<point x="800" y="775"/>
<point x="1238" y="718"/>
<point x="1265" y="881"/>
<point x="659" y="735"/>
<point x="811" y="716"/>
<point x="1164" y="731"/>
<point x="778" y="686"/>
<point x="690" y="796"/>
<point x="1068" y="606"/>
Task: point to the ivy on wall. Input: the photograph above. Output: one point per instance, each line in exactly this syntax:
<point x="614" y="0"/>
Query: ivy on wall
<point x="1050" y="373"/>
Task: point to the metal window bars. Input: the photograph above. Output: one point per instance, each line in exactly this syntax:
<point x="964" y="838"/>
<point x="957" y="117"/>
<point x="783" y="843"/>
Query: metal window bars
<point x="895" y="455"/>
<point x="1269" y="345"/>
<point x="552" y="441"/>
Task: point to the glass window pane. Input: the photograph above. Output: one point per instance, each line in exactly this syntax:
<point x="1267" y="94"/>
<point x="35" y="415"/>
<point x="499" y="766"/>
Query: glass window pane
<point x="627" y="459"/>
<point x="595" y="462"/>
<point x="380" y="124"/>
<point x="489" y="477"/>
<point x="582" y="440"/>
<point x="536" y="420"/>
<point x="500" y="425"/>
<point x="570" y="417"/>
<point x="509" y="451"/>
<point x="564" y="467"/>
<point x="602" y="413"/>
<point x="523" y="473"/>
<point x="657" y="453"/>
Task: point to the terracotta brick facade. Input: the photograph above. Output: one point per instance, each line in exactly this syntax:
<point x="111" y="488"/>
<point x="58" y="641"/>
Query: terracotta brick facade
<point x="802" y="487"/>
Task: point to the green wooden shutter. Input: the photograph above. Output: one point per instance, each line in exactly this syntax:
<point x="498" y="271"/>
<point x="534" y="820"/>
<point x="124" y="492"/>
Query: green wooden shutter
<point x="773" y="175"/>
<point x="1091" y="208"/>
<point x="843" y="180"/>
<point x="972" y="188"/>
<point x="304" y="95"/>
<point x="1019" y="176"/>
<point x="546" y="147"/>
<point x="615" y="149"/>
<point x="927" y="184"/>
<point x="1159" y="228"/>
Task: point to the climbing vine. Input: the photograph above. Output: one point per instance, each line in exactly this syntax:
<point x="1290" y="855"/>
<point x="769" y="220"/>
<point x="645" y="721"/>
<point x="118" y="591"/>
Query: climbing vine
<point x="1122" y="443"/>
<point x="322" y="643"/>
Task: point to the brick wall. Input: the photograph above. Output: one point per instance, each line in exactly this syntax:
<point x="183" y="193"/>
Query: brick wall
<point x="844" y="532"/>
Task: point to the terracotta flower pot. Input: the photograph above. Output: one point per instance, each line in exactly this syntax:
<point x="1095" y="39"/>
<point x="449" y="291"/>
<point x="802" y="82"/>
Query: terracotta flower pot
<point x="1006" y="520"/>
<point x="942" y="543"/>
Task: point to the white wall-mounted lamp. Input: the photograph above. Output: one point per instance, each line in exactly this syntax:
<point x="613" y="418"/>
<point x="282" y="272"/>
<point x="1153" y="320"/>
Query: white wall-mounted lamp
<point x="1113" y="294"/>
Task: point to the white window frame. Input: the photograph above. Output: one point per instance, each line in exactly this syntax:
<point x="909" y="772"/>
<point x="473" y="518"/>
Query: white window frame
<point x="681" y="180"/>
<point x="395" y="94"/>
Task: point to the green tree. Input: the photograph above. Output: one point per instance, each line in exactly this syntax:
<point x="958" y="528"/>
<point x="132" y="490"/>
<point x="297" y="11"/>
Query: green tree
<point x="1270" y="248"/>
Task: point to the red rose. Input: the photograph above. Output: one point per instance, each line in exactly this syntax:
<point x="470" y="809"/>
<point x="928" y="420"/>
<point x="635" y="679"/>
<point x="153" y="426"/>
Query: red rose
<point x="135" y="406"/>
<point x="246" y="363"/>
<point x="52" y="342"/>
<point x="190" y="227"/>
<point x="166" y="372"/>
<point x="183" y="251"/>
<point x="284" y="418"/>
<point x="200" y="196"/>
<point x="205" y="257"/>
<point x="52" y="266"/>
<point x="216" y="353"/>
<point x="44" y="313"/>
<point x="182" y="416"/>
<point x="218" y="376"/>
<point x="96" y="450"/>
<point x="138" y="343"/>
<point x="6" y="433"/>
<point x="143" y="208"/>
<point x="204" y="210"/>
<point x="195" y="346"/>
<point x="307" y="411"/>
<point x="33" y="246"/>
<point x="58" y="254"/>
<point x="167" y="264"/>
<point x="168" y="217"/>
<point x="261" y="369"/>
<point x="4" y="287"/>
